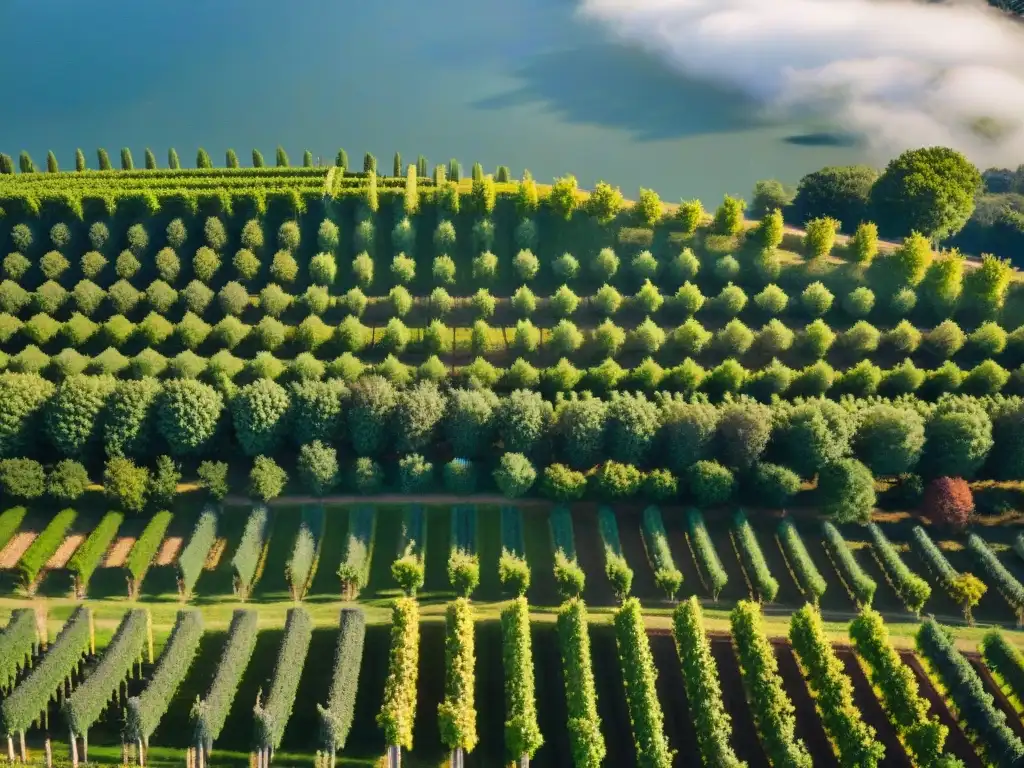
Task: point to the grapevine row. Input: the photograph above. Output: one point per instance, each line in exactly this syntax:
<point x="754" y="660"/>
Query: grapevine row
<point x="211" y="712"/>
<point x="998" y="574"/>
<point x="703" y="688"/>
<point x="923" y="734"/>
<point x="336" y="717"/>
<point x="912" y="589"/>
<point x="513" y="568"/>
<point x="301" y="566"/>
<point x="1005" y="661"/>
<point x="585" y="738"/>
<point x="522" y="733"/>
<point x="855" y="741"/>
<point x="43" y="547"/>
<point x="144" y="550"/>
<point x="666" y="575"/>
<point x="273" y="713"/>
<point x="765" y="585"/>
<point x="861" y="586"/>
<point x="984" y="722"/>
<point x="10" y="522"/>
<point x="569" y="575"/>
<point x="18" y="642"/>
<point x="248" y="558"/>
<point x="456" y="715"/>
<point x="127" y="647"/>
<point x="87" y="557"/>
<point x="769" y="703"/>
<point x="146" y="710"/>
<point x="804" y="570"/>
<point x="354" y="570"/>
<point x="964" y="589"/>
<point x="193" y="557"/>
<point x="398" y="712"/>
<point x="707" y="556"/>
<point x="619" y="574"/>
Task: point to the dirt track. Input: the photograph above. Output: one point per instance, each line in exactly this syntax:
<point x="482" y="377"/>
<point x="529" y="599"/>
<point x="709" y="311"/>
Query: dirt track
<point x="15" y="548"/>
<point x="118" y="553"/>
<point x="65" y="551"/>
<point x="169" y="550"/>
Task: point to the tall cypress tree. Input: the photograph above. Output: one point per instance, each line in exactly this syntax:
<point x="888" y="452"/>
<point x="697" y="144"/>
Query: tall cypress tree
<point x="79" y="160"/>
<point x="127" y="164"/>
<point x="454" y="170"/>
<point x="203" y="159"/>
<point x="503" y="174"/>
<point x="231" y="158"/>
<point x="104" y="160"/>
<point x="6" y="164"/>
<point x="282" y="157"/>
<point x="478" y="172"/>
<point x="369" y="163"/>
<point x="421" y="167"/>
<point x="341" y="161"/>
<point x="398" y="165"/>
<point x="172" y="159"/>
<point x="257" y="159"/>
<point x="150" y="160"/>
<point x="51" y="162"/>
<point x="25" y="162"/>
<point x="372" y="201"/>
<point x="307" y="159"/>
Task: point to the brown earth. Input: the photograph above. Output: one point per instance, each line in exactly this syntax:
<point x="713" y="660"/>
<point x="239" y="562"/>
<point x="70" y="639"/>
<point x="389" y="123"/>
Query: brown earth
<point x="215" y="554"/>
<point x="169" y="550"/>
<point x="871" y="711"/>
<point x="808" y="723"/>
<point x="118" y="553"/>
<point x="15" y="548"/>
<point x="65" y="551"/>
<point x="747" y="746"/>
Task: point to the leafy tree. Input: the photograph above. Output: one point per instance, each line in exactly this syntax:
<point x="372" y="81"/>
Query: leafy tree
<point x="816" y="299"/>
<point x="514" y="475"/>
<point x="125" y="484"/>
<point x="563" y="200"/>
<point x="690" y="215"/>
<point x="985" y="287"/>
<point x="743" y="432"/>
<point x="580" y="426"/>
<point x="605" y="202"/>
<point x="317" y="467"/>
<point x="729" y="216"/>
<point x="560" y="483"/>
<point x="945" y="340"/>
<point x="632" y="422"/>
<point x="617" y="481"/>
<point x="929" y="190"/>
<point x="523" y="419"/>
<point x="25" y="163"/>
<point x="820" y="236"/>
<point x="164" y="484"/>
<point x="73" y="415"/>
<point x="417" y="415"/>
<point x="257" y="159"/>
<point x="889" y="439"/>
<point x="648" y="208"/>
<point x="948" y="502"/>
<point x="203" y="159"/>
<point x="188" y="414"/>
<point x="847" y="491"/>
<point x="605" y="265"/>
<point x="841" y="192"/>
<point x="958" y="437"/>
<point x="773" y="484"/>
<point x="259" y="415"/>
<point x="371" y="406"/>
<point x="22" y="478"/>
<point x="769" y="195"/>
<point x="731" y="300"/>
<point x="266" y="479"/>
<point x="213" y="478"/>
<point x="769" y="231"/>
<point x="470" y="421"/>
<point x="67" y="481"/>
<point x="863" y="246"/>
<point x="127" y="164"/>
<point x="710" y="484"/>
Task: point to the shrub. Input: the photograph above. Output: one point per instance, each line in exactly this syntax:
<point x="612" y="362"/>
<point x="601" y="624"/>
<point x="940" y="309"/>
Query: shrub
<point x="648" y="299"/>
<point x="67" y="481"/>
<point x="266" y="479"/>
<point x="773" y="485"/>
<point x="283" y="267"/>
<point x="125" y="484"/>
<point x="485" y="267"/>
<point x="526" y="265"/>
<point x="726" y="269"/>
<point x="644" y="266"/>
<point x="816" y="299"/>
<point x="604" y="266"/>
<point x="415" y="474"/>
<point x="710" y="484"/>
<point x="730" y="301"/>
<point x="948" y="501"/>
<point x="138" y="238"/>
<point x="274" y="300"/>
<point x="523" y="301"/>
<point x="859" y="302"/>
<point x="729" y="217"/>
<point x="564" y="302"/>
<point x="323" y="269"/>
<point x="734" y="339"/>
<point x="317" y="299"/>
<point x="16" y="266"/>
<point x="22" y="237"/>
<point x="205" y="264"/>
<point x="362" y="269"/>
<point x="317" y="467"/>
<point x="403" y="268"/>
<point x="617" y="481"/>
<point x="53" y="265"/>
<point x="13" y="298"/>
<point x="565" y="338"/>
<point x="459" y="476"/>
<point x="288" y="236"/>
<point x="22" y="478"/>
<point x="944" y="340"/>
<point x="561" y="483"/>
<point x="861" y="338"/>
<point x="660" y="485"/>
<point x="443" y="269"/>
<point x="514" y="475"/>
<point x="988" y="340"/>
<point x="252" y="235"/>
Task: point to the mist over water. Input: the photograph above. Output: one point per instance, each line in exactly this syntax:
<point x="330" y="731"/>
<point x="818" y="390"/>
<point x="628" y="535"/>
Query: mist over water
<point x="899" y="74"/>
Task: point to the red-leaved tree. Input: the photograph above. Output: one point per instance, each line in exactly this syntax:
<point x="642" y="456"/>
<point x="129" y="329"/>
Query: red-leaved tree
<point x="948" y="501"/>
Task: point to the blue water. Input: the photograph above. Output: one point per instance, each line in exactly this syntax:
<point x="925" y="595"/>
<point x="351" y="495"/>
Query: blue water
<point x="524" y="83"/>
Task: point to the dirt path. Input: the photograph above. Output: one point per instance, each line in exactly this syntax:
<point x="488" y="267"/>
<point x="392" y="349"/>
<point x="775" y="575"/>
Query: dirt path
<point x="15" y="548"/>
<point x="215" y="554"/>
<point x="65" y="551"/>
<point x="169" y="550"/>
<point x="118" y="553"/>
<point x="871" y="711"/>
<point x="808" y="722"/>
<point x="744" y="742"/>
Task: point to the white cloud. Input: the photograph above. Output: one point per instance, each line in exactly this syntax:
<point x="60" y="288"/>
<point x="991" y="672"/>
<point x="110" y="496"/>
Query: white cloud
<point x="900" y="73"/>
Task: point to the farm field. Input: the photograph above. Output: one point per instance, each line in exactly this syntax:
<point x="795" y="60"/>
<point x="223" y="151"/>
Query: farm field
<point x="215" y="599"/>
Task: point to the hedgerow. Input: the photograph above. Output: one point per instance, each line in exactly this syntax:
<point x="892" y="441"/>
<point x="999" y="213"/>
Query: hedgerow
<point x="273" y="712"/>
<point x="806" y="573"/>
<point x="354" y="570"/>
<point x="90" y="552"/>
<point x="43" y="547"/>
<point x="855" y="741"/>
<point x="193" y="557"/>
<point x="1005" y="661"/>
<point x="127" y="648"/>
<point x="26" y="702"/>
<point x="704" y="550"/>
<point x="964" y="589"/>
<point x="912" y="589"/>
<point x="145" y="710"/>
<point x="585" y="737"/>
<point x="301" y="566"/>
<point x="984" y="722"/>
<point x="457" y="713"/>
<point x="997" y="574"/>
<point x="522" y="733"/>
<point x="761" y="579"/>
<point x="861" y="586"/>
<point x="703" y="689"/>
<point x="666" y="575"/>
<point x="639" y="676"/>
<point x="144" y="550"/>
<point x="398" y="711"/>
<point x="336" y="717"/>
<point x="210" y="713"/>
<point x="248" y="558"/>
<point x="770" y="705"/>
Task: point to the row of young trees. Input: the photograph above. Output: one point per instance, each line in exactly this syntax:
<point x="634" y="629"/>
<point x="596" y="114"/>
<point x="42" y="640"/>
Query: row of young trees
<point x="103" y="162"/>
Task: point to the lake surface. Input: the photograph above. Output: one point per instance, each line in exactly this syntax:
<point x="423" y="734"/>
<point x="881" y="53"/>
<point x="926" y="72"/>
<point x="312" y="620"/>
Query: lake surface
<point x="525" y="83"/>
